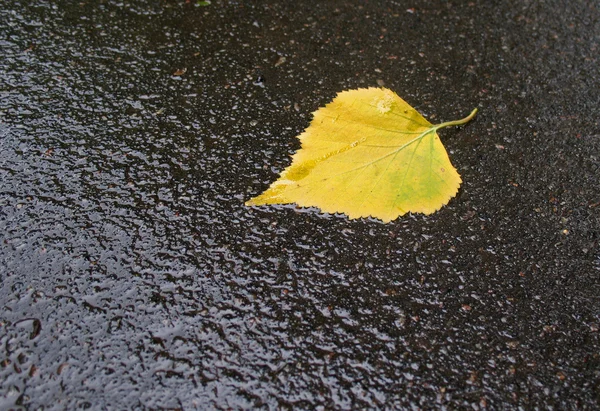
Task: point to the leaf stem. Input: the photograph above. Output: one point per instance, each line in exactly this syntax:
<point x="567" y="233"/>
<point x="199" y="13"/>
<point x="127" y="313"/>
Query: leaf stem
<point x="457" y="122"/>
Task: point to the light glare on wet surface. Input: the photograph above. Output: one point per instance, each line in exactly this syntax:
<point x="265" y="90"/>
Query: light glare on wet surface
<point x="133" y="276"/>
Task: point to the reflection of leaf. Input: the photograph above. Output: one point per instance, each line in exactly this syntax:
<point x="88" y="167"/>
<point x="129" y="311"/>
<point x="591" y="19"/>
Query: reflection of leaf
<point x="368" y="153"/>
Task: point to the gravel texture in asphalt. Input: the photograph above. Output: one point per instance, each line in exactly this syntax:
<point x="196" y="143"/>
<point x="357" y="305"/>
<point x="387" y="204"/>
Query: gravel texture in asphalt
<point x="132" y="276"/>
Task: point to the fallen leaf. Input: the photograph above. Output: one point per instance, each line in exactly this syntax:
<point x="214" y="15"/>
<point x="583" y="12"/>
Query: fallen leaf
<point x="368" y="153"/>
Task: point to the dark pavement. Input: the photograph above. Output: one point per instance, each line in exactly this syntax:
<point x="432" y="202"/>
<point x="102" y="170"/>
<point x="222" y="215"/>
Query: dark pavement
<point x="133" y="277"/>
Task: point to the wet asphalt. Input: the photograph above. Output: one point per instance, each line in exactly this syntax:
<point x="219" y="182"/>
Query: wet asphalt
<point x="133" y="277"/>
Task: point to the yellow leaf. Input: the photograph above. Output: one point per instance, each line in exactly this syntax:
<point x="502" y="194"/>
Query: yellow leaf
<point x="368" y="153"/>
